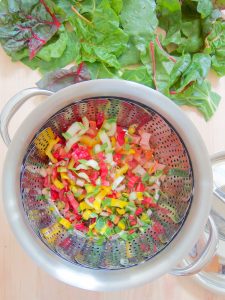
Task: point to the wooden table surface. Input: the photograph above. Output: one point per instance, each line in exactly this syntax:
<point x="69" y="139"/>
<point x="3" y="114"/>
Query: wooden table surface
<point x="21" y="279"/>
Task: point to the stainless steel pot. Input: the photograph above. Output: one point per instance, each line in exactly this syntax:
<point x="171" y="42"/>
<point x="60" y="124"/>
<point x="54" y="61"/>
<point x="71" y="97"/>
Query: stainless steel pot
<point x="181" y="244"/>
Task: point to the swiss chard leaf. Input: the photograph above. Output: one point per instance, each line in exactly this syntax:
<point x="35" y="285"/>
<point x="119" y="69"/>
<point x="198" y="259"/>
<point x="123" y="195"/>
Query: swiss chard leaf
<point x="55" y="49"/>
<point x="20" y="55"/>
<point x="159" y="65"/>
<point x="200" y="96"/>
<point x="216" y="39"/>
<point x="130" y="56"/>
<point x="102" y="40"/>
<point x="86" y="8"/>
<point x="100" y="70"/>
<point x="138" y="19"/>
<point x="179" y="68"/>
<point x="215" y="46"/>
<point x="69" y="55"/>
<point x="169" y="14"/>
<point x="208" y="23"/>
<point x="117" y="39"/>
<point x="117" y="5"/>
<point x="54" y="81"/>
<point x="204" y="7"/>
<point x="138" y="74"/>
<point x="197" y="70"/>
<point x="191" y="40"/>
<point x="27" y="25"/>
<point x="65" y="6"/>
<point x="218" y="65"/>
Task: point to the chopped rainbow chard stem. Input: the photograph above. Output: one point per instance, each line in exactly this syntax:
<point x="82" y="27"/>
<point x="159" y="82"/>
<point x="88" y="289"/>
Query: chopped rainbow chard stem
<point x="104" y="180"/>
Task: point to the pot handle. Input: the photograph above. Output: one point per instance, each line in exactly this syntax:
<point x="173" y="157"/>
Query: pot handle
<point x="13" y="105"/>
<point x="205" y="256"/>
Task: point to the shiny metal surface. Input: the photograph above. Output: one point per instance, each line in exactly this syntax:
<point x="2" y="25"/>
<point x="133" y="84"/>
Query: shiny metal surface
<point x="13" y="105"/>
<point x="218" y="169"/>
<point x="101" y="279"/>
<point x="213" y="276"/>
<point x="204" y="257"/>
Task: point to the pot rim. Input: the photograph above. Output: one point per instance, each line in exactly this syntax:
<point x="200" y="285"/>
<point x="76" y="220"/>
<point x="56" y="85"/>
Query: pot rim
<point x="164" y="261"/>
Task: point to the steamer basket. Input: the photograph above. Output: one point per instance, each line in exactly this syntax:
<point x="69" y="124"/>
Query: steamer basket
<point x="114" y="252"/>
<point x="114" y="263"/>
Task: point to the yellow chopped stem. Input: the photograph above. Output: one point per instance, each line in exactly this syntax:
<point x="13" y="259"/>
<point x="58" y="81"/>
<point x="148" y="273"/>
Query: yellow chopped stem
<point x="65" y="223"/>
<point x="121" y="225"/>
<point x="71" y="163"/>
<point x="121" y="211"/>
<point x="84" y="205"/>
<point x="86" y="214"/>
<point x="48" y="150"/>
<point x="100" y="197"/>
<point x="58" y="184"/>
<point x="64" y="176"/>
<point x="139" y="195"/>
<point x="92" y="225"/>
<point x="122" y="170"/>
<point x="118" y="203"/>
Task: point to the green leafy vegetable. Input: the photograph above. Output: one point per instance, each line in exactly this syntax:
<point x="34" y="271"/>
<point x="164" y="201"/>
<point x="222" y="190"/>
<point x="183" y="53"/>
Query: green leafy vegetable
<point x="117" y="5"/>
<point x="69" y="55"/>
<point x="197" y="70"/>
<point x="65" y="7"/>
<point x="100" y="70"/>
<point x="179" y="68"/>
<point x="215" y="46"/>
<point x="138" y="18"/>
<point x="130" y="56"/>
<point x="54" y="49"/>
<point x="160" y="64"/>
<point x="199" y="96"/>
<point x="120" y="39"/>
<point x="27" y="24"/>
<point x="204" y="7"/>
<point x="59" y="79"/>
<point x="191" y="40"/>
<point x="139" y="74"/>
<point x="170" y="20"/>
<point x="208" y="23"/>
<point x="103" y="40"/>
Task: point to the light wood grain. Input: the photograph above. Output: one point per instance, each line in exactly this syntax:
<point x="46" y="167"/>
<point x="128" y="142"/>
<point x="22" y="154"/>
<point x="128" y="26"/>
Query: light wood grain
<point x="21" y="279"/>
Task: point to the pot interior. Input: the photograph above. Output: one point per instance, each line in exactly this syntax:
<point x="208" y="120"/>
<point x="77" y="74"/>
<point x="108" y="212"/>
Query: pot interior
<point x="173" y="204"/>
